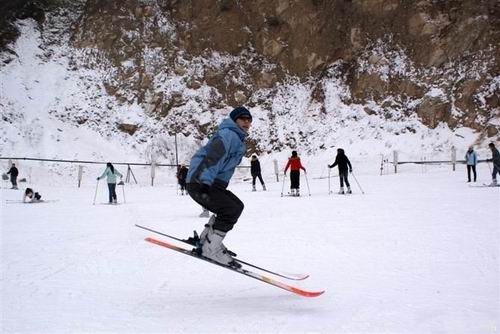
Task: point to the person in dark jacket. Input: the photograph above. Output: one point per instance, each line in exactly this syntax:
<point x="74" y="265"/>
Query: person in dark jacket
<point x="295" y="166"/>
<point x="210" y="171"/>
<point x="471" y="161"/>
<point x="345" y="168"/>
<point x="256" y="172"/>
<point x="495" y="158"/>
<point x="181" y="177"/>
<point x="14" y="172"/>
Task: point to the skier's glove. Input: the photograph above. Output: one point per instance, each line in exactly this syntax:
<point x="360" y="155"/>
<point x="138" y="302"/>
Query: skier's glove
<point x="350" y="170"/>
<point x="204" y="190"/>
<point x="98" y="179"/>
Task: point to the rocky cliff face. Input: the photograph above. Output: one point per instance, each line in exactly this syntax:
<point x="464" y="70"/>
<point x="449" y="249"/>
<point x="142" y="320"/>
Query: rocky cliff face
<point x="434" y="60"/>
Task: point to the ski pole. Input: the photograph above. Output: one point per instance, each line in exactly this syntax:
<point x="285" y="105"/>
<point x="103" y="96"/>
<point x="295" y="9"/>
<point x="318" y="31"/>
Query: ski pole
<point x="283" y="186"/>
<point x="329" y="187"/>
<point x="95" y="195"/>
<point x="123" y="191"/>
<point x="307" y="183"/>
<point x="355" y="179"/>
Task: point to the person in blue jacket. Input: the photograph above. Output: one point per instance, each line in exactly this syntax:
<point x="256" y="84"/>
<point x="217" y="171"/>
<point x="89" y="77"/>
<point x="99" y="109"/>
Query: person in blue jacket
<point x="471" y="161"/>
<point x="211" y="169"/>
<point x="111" y="173"/>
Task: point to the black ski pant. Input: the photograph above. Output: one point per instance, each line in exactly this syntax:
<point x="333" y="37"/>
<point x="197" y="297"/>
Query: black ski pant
<point x="112" y="191"/>
<point x="182" y="184"/>
<point x="13" y="180"/>
<point x="343" y="178"/>
<point x="295" y="179"/>
<point x="473" y="167"/>
<point x="254" y="176"/>
<point x="496" y="171"/>
<point x="226" y="206"/>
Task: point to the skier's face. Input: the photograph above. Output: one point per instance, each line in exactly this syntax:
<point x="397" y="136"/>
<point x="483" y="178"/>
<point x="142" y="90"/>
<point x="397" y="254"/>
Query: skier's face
<point x="244" y="122"/>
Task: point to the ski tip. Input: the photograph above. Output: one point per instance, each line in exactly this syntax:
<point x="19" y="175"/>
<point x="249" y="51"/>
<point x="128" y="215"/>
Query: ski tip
<point x="305" y="293"/>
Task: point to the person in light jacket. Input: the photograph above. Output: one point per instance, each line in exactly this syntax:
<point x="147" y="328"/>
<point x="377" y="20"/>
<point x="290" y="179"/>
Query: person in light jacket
<point x="471" y="161"/>
<point x="210" y="171"/>
<point x="111" y="173"/>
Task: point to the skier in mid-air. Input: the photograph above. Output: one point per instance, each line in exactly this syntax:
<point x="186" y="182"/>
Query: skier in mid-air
<point x="211" y="169"/>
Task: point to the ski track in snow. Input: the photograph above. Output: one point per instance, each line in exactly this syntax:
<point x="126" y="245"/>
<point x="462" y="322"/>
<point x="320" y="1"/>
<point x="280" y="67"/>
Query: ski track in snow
<point x="417" y="253"/>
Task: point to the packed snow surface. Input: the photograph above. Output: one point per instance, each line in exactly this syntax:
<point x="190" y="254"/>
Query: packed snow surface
<point x="417" y="253"/>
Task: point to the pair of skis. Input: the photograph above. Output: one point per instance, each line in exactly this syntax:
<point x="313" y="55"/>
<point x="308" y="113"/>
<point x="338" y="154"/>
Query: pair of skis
<point x="242" y="270"/>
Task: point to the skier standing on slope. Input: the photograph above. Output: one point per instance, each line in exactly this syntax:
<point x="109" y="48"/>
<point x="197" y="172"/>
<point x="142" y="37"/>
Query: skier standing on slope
<point x="295" y="167"/>
<point x="14" y="172"/>
<point x="495" y="158"/>
<point x="211" y="169"/>
<point x="256" y="172"/>
<point x="471" y="161"/>
<point x="110" y="173"/>
<point x="181" y="177"/>
<point x="345" y="168"/>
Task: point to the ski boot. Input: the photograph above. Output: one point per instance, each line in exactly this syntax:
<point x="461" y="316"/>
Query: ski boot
<point x="253" y="188"/>
<point x="349" y="190"/>
<point x="297" y="192"/>
<point x="213" y="249"/>
<point x="264" y="187"/>
<point x="493" y="183"/>
<point x="341" y="191"/>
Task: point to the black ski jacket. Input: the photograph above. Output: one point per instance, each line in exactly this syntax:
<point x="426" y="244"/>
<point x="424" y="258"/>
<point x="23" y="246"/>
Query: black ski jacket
<point x="13" y="172"/>
<point x="254" y="167"/>
<point x="343" y="162"/>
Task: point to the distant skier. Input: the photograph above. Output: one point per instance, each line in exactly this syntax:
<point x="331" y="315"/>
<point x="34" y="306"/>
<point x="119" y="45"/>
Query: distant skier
<point x="345" y="168"/>
<point x="211" y="169"/>
<point x="110" y="173"/>
<point x="495" y="158"/>
<point x="295" y="166"/>
<point x="471" y="161"/>
<point x="181" y="177"/>
<point x="30" y="195"/>
<point x="256" y="172"/>
<point x="14" y="172"/>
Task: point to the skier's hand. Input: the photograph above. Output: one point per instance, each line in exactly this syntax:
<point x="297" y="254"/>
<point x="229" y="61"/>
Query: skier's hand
<point x="350" y="170"/>
<point x="204" y="190"/>
<point x="329" y="166"/>
<point x="98" y="179"/>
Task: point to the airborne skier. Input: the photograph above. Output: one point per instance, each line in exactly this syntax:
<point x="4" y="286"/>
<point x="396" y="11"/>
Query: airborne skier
<point x="211" y="169"/>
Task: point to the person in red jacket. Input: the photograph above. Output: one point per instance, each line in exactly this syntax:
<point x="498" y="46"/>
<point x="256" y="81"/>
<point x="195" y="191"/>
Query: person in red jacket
<point x="295" y="167"/>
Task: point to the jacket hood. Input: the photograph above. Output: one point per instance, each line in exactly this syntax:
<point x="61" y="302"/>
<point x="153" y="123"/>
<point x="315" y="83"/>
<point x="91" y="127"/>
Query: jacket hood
<point x="231" y="125"/>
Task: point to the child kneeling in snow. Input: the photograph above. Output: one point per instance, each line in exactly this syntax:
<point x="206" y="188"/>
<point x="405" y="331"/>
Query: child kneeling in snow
<point x="31" y="195"/>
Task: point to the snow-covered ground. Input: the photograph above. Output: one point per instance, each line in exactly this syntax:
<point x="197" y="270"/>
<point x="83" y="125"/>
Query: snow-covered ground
<point x="417" y="253"/>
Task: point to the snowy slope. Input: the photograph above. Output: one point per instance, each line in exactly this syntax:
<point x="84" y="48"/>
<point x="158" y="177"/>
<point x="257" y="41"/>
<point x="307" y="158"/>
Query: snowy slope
<point x="418" y="253"/>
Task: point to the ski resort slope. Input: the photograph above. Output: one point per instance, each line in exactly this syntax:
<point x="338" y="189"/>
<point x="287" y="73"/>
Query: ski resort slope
<point x="417" y="253"/>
